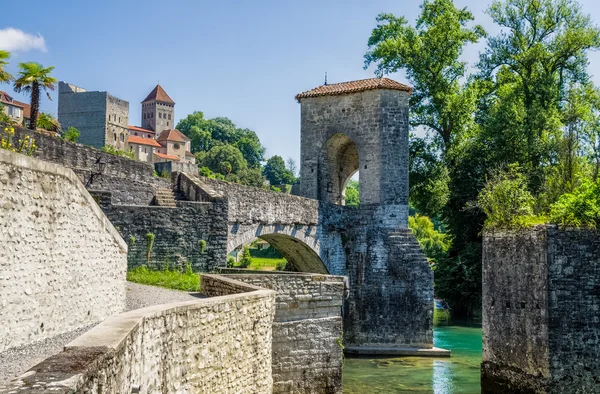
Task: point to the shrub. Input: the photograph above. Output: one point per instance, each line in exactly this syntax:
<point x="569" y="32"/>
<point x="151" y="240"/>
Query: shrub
<point x="202" y="245"/>
<point x="506" y="200"/>
<point x="25" y="146"/>
<point x="72" y="134"/>
<point x="132" y="240"/>
<point x="230" y="262"/>
<point x="117" y="152"/>
<point x="246" y="259"/>
<point x="150" y="243"/>
<point x="581" y="208"/>
<point x="434" y="243"/>
<point x="281" y="266"/>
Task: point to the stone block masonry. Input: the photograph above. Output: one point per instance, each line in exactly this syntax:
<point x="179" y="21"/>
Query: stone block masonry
<point x="213" y="345"/>
<point x="62" y="263"/>
<point x="307" y="331"/>
<point x="541" y="311"/>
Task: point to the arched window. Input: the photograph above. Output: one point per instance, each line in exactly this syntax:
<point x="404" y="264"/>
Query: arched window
<point x="176" y="146"/>
<point x="115" y="136"/>
<point x="122" y="137"/>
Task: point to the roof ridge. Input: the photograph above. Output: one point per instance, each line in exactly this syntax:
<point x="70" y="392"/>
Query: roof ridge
<point x="354" y="87"/>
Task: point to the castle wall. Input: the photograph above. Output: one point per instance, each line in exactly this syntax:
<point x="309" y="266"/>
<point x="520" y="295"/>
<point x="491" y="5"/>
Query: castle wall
<point x="213" y="345"/>
<point x="540" y="310"/>
<point x="62" y="263"/>
<point x="117" y="122"/>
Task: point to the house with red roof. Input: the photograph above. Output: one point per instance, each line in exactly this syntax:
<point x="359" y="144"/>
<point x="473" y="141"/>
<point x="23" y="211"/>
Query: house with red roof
<point x="16" y="110"/>
<point x="176" y="146"/>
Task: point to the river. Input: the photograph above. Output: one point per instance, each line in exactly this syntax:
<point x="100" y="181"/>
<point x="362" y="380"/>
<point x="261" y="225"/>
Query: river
<point x="457" y="374"/>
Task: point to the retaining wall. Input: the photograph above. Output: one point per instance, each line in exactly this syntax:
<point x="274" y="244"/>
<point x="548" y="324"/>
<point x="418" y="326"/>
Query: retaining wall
<point x="214" y="345"/>
<point x="541" y="310"/>
<point x="62" y="263"/>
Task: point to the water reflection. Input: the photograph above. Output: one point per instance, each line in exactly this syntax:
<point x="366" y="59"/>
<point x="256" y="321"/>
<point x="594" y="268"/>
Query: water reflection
<point x="458" y="374"/>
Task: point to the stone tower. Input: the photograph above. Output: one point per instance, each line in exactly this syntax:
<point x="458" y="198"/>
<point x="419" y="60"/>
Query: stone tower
<point x="158" y="111"/>
<point x="362" y="126"/>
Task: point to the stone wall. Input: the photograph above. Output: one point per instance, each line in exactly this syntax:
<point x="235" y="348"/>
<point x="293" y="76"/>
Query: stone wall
<point x="62" y="263"/>
<point x="177" y="234"/>
<point x="540" y="310"/>
<point x="129" y="181"/>
<point x="307" y="331"/>
<point x="214" y="345"/>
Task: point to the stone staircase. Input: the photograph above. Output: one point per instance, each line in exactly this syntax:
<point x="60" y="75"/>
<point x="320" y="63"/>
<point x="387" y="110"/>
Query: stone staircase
<point x="164" y="197"/>
<point x="405" y="246"/>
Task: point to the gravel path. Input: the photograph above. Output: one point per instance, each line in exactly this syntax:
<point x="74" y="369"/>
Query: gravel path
<point x="16" y="361"/>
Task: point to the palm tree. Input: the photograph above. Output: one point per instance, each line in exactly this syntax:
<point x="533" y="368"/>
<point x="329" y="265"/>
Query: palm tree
<point x="48" y="122"/>
<point x="32" y="78"/>
<point x="5" y="77"/>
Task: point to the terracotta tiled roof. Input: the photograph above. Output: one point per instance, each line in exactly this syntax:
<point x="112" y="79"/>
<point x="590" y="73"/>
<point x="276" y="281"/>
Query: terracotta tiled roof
<point x="134" y="139"/>
<point x="167" y="157"/>
<point x="159" y="94"/>
<point x="189" y="154"/>
<point x="172" y="135"/>
<point x="7" y="99"/>
<point x="353" y="87"/>
<point x="136" y="128"/>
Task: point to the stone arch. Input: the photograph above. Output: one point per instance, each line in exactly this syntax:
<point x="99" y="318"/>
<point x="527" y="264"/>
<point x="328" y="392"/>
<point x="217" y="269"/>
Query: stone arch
<point x="299" y="244"/>
<point x="339" y="161"/>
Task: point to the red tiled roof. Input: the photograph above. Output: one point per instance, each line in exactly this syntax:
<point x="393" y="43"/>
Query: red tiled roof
<point x="134" y="139"/>
<point x="189" y="154"/>
<point x="172" y="135"/>
<point x="159" y="94"/>
<point x="7" y="99"/>
<point x="353" y="87"/>
<point x="136" y="128"/>
<point x="167" y="157"/>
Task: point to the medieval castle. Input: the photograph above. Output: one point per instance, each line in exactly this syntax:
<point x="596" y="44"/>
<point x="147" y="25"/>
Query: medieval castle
<point x="103" y="119"/>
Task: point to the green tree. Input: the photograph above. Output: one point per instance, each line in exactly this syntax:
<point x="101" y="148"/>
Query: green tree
<point x="224" y="159"/>
<point x="48" y="122"/>
<point x="251" y="177"/>
<point x="435" y="244"/>
<point x="5" y="77"/>
<point x="250" y="146"/>
<point x="72" y="134"/>
<point x="276" y="173"/>
<point x="352" y="194"/>
<point x="429" y="54"/>
<point x="246" y="258"/>
<point x="33" y="77"/>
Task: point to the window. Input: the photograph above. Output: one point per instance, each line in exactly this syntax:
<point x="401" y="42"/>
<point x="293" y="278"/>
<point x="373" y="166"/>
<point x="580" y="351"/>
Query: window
<point x="145" y="150"/>
<point x="136" y="133"/>
<point x="115" y="136"/>
<point x="122" y="137"/>
<point x="119" y="119"/>
<point x="160" y="115"/>
<point x="167" y="123"/>
<point x="152" y="115"/>
<point x="169" y="116"/>
<point x="176" y="146"/>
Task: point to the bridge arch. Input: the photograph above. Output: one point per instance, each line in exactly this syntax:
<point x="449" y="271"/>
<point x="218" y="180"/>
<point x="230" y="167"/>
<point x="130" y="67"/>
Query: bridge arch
<point x="298" y="244"/>
<point x="338" y="162"/>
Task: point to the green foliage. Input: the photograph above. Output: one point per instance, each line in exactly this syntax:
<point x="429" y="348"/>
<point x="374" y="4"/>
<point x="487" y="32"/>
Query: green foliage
<point x="202" y="245"/>
<point x="131" y="240"/>
<point x="223" y="159"/>
<point x="72" y="134"/>
<point x="506" y="201"/>
<point x="230" y="262"/>
<point x="251" y="177"/>
<point x="207" y="172"/>
<point x="185" y="280"/>
<point x="5" y="77"/>
<point x="48" y="122"/>
<point x="165" y="174"/>
<point x="32" y="79"/>
<point x="276" y="172"/>
<point x="275" y="189"/>
<point x="26" y="146"/>
<point x="246" y="259"/>
<point x="429" y="177"/>
<point x="581" y="208"/>
<point x="117" y="152"/>
<point x="435" y="244"/>
<point x="352" y="194"/>
<point x="281" y="265"/>
<point x="149" y="244"/>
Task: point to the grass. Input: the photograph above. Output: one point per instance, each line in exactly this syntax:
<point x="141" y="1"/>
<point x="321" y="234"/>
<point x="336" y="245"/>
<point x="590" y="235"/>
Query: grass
<point x="170" y="279"/>
<point x="264" y="263"/>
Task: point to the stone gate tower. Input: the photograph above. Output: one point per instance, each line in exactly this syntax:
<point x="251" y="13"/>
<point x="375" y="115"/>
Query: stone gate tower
<point x="158" y="111"/>
<point x="363" y="126"/>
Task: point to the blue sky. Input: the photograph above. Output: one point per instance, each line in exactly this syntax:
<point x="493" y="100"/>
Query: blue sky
<point x="240" y="59"/>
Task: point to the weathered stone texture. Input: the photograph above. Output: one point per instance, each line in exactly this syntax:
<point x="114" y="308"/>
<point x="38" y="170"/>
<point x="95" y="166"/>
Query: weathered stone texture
<point x="62" y="264"/>
<point x="214" y="345"/>
<point x="178" y="233"/>
<point x="307" y="331"/>
<point x="541" y="313"/>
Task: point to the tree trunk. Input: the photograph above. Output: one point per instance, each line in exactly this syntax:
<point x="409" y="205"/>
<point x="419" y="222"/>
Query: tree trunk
<point x="35" y="105"/>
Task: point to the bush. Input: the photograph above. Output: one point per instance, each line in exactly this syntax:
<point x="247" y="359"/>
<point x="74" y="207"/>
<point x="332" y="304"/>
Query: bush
<point x="506" y="200"/>
<point x="246" y="259"/>
<point x="434" y="243"/>
<point x="281" y="266"/>
<point x="578" y="209"/>
<point x="230" y="262"/>
<point x="117" y="152"/>
<point x="72" y="134"/>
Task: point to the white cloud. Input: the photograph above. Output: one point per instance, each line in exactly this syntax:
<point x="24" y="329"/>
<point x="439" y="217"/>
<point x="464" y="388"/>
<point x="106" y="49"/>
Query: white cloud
<point x="14" y="40"/>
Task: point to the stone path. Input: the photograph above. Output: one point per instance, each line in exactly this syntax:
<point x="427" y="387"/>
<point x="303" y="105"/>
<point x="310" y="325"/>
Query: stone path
<point x="16" y="361"/>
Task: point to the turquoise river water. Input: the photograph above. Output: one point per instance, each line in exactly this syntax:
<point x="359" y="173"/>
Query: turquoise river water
<point x="457" y="374"/>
